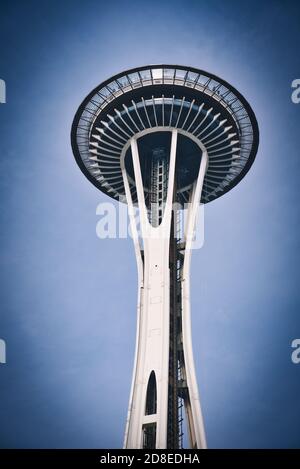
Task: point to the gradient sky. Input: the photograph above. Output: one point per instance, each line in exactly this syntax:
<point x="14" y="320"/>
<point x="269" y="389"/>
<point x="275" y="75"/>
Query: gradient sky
<point x="68" y="299"/>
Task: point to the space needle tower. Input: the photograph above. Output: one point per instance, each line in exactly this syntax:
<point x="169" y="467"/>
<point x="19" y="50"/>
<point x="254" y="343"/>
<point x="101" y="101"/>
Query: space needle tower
<point x="162" y="138"/>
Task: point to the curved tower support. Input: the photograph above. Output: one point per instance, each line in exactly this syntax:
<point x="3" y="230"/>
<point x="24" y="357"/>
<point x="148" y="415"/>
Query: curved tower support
<point x="155" y="316"/>
<point x="192" y="401"/>
<point x="152" y="352"/>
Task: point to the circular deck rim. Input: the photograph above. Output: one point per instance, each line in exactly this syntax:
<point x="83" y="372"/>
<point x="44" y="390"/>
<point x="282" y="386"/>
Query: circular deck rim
<point x="245" y="103"/>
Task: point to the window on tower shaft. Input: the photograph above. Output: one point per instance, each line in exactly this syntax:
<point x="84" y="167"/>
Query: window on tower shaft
<point x="151" y="396"/>
<point x="149" y="436"/>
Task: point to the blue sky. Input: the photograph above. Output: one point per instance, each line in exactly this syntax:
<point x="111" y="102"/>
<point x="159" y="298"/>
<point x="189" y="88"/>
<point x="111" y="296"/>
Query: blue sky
<point x="68" y="299"/>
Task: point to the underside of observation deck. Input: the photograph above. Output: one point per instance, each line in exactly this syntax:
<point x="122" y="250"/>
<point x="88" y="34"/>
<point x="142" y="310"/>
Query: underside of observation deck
<point x="188" y="99"/>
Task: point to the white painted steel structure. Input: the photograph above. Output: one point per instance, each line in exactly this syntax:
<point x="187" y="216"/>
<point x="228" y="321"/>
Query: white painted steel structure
<point x="152" y="351"/>
<point x="173" y="135"/>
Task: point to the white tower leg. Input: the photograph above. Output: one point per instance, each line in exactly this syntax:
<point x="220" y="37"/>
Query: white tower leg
<point x="192" y="404"/>
<point x="153" y="311"/>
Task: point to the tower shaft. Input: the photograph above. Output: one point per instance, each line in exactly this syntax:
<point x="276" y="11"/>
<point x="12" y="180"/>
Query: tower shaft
<point x="175" y="314"/>
<point x="164" y="375"/>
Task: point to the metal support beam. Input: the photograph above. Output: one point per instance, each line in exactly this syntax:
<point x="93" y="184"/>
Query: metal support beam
<point x="163" y="342"/>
